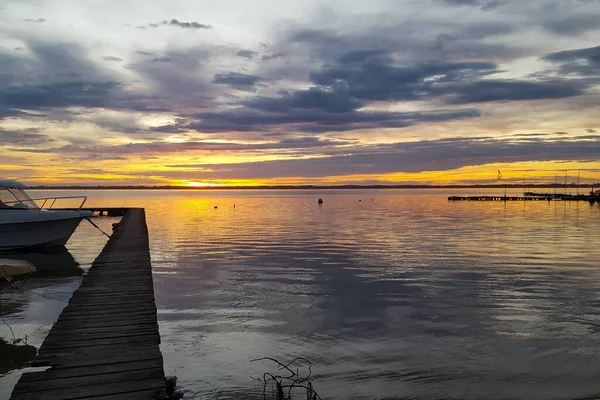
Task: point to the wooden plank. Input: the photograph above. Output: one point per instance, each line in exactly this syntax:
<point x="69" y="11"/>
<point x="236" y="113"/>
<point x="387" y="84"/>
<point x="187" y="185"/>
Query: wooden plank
<point x="78" y="361"/>
<point x="115" y="299"/>
<point x="109" y="304"/>
<point x="119" y="287"/>
<point x="69" y="358"/>
<point x="74" y="321"/>
<point x="106" y="335"/>
<point x="91" y="371"/>
<point x="76" y="325"/>
<point x="136" y="338"/>
<point x="67" y="361"/>
<point x="78" y="381"/>
<point x="99" y="319"/>
<point x="142" y="395"/>
<point x="120" y="308"/>
<point x="102" y="291"/>
<point x="112" y="313"/>
<point x="117" y="282"/>
<point x="100" y="295"/>
<point x="82" y="392"/>
<point x="111" y="317"/>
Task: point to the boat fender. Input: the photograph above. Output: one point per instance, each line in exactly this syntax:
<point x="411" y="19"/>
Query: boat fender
<point x="115" y="226"/>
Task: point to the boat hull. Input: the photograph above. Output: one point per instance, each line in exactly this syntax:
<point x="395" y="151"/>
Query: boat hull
<point x="37" y="234"/>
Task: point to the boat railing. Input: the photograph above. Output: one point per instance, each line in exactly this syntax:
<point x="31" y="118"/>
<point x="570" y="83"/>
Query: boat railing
<point x="48" y="202"/>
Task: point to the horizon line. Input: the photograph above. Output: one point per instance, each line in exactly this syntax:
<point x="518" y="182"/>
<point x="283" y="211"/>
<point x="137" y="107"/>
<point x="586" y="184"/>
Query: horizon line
<point x="399" y="186"/>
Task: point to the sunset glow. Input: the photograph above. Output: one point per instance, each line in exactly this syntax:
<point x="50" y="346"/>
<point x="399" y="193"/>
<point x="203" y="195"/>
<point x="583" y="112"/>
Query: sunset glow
<point x="440" y="92"/>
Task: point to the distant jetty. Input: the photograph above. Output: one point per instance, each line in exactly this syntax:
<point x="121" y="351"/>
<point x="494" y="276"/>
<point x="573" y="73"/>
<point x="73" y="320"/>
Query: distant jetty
<point x="592" y="197"/>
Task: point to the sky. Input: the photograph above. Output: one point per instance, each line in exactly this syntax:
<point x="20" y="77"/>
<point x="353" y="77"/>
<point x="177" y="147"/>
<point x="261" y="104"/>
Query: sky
<point x="279" y="92"/>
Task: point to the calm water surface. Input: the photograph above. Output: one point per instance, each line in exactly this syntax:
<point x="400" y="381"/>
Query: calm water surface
<point x="391" y="294"/>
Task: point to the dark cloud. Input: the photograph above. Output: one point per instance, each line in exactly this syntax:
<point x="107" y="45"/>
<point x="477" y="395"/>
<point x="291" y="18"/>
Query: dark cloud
<point x="7" y="112"/>
<point x="175" y="22"/>
<point x="404" y="42"/>
<point x="320" y="121"/>
<point x="30" y="136"/>
<point x="247" y="54"/>
<point x="492" y="5"/>
<point x="490" y="29"/>
<point x="38" y="20"/>
<point x="372" y="76"/>
<point x="144" y="53"/>
<point x="589" y="54"/>
<point x="111" y="58"/>
<point x="57" y="75"/>
<point x="66" y="94"/>
<point x="433" y="155"/>
<point x="47" y="62"/>
<point x="160" y="147"/>
<point x="170" y="128"/>
<point x="237" y="80"/>
<point x="571" y="25"/>
<point x="463" y="2"/>
<point x="483" y="5"/>
<point x="274" y="134"/>
<point x="412" y="40"/>
<point x="360" y="77"/>
<point x="590" y="130"/>
<point x="269" y="57"/>
<point x="311" y="99"/>
<point x="584" y="62"/>
<point x="72" y="94"/>
<point x="379" y="56"/>
<point x="161" y="60"/>
<point x="179" y="78"/>
<point x="503" y="90"/>
<point x="530" y="134"/>
<point x="188" y="25"/>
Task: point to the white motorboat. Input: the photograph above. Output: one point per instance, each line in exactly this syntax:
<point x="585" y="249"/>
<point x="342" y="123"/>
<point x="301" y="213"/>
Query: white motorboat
<point x="24" y="223"/>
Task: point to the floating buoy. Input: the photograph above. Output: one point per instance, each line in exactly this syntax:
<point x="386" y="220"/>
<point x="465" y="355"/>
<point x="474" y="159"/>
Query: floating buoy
<point x="359" y="200"/>
<point x="320" y="201"/>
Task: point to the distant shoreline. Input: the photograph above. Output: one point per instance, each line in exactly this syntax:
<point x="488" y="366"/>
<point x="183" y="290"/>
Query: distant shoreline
<point x="309" y="187"/>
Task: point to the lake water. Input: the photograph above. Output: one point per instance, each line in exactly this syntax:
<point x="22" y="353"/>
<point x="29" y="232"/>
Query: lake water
<point x="390" y="293"/>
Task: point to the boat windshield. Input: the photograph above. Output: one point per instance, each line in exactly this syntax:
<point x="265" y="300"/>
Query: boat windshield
<point x="15" y="198"/>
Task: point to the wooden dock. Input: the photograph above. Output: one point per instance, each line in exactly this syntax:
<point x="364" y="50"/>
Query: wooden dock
<point x="590" y="199"/>
<point x="105" y="344"/>
<point x="497" y="198"/>
<point x="101" y="211"/>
